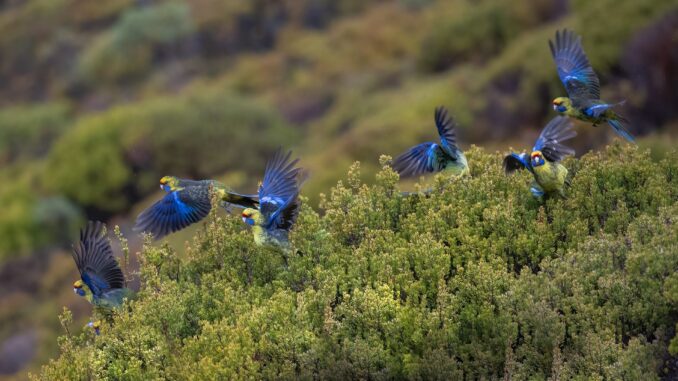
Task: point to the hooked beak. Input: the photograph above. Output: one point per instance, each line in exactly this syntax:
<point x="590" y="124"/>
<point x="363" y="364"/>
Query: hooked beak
<point x="163" y="188"/>
<point x="75" y="291"/>
<point x="244" y="219"/>
<point x="555" y="107"/>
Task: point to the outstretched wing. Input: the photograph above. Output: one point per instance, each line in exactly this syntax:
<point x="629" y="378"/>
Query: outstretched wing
<point x="418" y="160"/>
<point x="280" y="187"/>
<point x="514" y="161"/>
<point x="177" y="210"/>
<point x="94" y="258"/>
<point x="550" y="141"/>
<point x="574" y="69"/>
<point x="446" y="130"/>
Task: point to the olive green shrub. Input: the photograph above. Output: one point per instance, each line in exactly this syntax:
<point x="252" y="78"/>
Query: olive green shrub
<point x="476" y="280"/>
<point x="129" y="148"/>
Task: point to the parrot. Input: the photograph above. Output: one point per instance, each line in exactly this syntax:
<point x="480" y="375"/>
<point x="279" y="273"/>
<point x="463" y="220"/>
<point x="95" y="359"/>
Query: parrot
<point x="582" y="86"/>
<point x="550" y="176"/>
<point x="431" y="157"/>
<point x="186" y="202"/>
<point x="101" y="281"/>
<point x="278" y="201"/>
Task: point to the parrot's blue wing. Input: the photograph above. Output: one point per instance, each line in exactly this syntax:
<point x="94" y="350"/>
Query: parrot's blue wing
<point x="94" y="258"/>
<point x="280" y="187"/>
<point x="574" y="69"/>
<point x="514" y="161"/>
<point x="550" y="141"/>
<point x="280" y="177"/>
<point x="418" y="160"/>
<point x="446" y="129"/>
<point x="177" y="210"/>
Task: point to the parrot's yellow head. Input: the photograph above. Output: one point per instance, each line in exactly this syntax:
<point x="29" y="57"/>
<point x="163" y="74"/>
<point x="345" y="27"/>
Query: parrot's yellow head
<point x="561" y="104"/>
<point x="169" y="183"/>
<point x="78" y="287"/>
<point x="251" y="216"/>
<point x="537" y="159"/>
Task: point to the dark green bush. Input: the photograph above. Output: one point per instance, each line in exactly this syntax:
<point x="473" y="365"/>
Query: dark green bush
<point x="477" y="281"/>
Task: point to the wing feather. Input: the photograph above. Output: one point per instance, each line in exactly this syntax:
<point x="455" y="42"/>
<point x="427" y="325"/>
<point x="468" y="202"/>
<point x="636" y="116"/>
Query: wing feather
<point x="550" y="141"/>
<point x="574" y="69"/>
<point x="94" y="258"/>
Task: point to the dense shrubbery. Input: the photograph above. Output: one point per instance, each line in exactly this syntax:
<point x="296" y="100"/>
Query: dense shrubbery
<point x="478" y="280"/>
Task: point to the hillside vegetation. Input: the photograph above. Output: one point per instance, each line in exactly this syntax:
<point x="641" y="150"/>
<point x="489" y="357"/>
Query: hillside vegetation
<point x="476" y="281"/>
<point x="99" y="99"/>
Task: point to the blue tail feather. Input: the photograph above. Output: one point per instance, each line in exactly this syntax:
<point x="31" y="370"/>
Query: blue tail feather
<point x="621" y="130"/>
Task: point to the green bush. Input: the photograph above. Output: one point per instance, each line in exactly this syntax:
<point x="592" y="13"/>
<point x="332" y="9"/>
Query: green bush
<point x="28" y="131"/>
<point x="475" y="281"/>
<point x="30" y="221"/>
<point x="128" y="148"/>
<point x="128" y="49"/>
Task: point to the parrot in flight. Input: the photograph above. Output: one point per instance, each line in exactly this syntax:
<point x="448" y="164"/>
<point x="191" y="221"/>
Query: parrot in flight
<point x="582" y="86"/>
<point x="432" y="157"/>
<point x="278" y="201"/>
<point x="101" y="281"/>
<point x="550" y="176"/>
<point x="186" y="202"/>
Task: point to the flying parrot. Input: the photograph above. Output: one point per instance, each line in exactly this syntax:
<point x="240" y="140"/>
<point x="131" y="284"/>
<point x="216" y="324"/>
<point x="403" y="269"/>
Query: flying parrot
<point x="432" y="157"/>
<point x="544" y="162"/>
<point x="101" y="281"/>
<point x="582" y="86"/>
<point x="278" y="201"/>
<point x="186" y="202"/>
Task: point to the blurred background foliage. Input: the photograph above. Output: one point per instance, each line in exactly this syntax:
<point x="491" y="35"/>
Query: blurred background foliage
<point x="100" y="99"/>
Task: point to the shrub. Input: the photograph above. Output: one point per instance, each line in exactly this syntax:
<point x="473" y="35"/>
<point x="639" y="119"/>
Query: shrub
<point x="128" y="148"/>
<point x="28" y="131"/>
<point x="477" y="280"/>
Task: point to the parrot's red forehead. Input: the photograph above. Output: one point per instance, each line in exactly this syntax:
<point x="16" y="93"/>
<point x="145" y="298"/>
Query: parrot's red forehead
<point x="536" y="153"/>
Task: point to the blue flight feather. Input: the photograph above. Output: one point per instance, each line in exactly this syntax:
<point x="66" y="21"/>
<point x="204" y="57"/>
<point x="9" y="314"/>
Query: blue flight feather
<point x="574" y="69"/>
<point x="173" y="212"/>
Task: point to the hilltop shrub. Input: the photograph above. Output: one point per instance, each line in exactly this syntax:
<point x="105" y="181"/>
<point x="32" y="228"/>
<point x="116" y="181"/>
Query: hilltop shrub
<point x="475" y="281"/>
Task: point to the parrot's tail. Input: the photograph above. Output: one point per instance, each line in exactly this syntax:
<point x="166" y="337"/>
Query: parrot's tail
<point x="617" y="124"/>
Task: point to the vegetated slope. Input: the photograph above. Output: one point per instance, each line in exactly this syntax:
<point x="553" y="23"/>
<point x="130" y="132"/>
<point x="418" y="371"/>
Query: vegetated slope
<point x="478" y="280"/>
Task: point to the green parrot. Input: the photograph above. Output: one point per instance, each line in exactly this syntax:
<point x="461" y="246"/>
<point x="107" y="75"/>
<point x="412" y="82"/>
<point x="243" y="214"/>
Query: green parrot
<point x="101" y="281"/>
<point x="550" y="176"/>
<point x="186" y="202"/>
<point x="583" y="89"/>
<point x="431" y="157"/>
<point x="278" y="202"/>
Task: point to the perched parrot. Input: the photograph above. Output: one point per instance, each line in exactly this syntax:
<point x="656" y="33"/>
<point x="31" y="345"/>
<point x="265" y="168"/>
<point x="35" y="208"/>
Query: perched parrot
<point x="432" y="157"/>
<point x="186" y="202"/>
<point x="278" y="201"/>
<point x="102" y="282"/>
<point x="582" y="86"/>
<point x="544" y="162"/>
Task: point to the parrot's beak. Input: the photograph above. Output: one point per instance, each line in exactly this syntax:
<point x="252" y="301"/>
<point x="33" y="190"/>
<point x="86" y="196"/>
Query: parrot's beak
<point x="244" y="220"/>
<point x="75" y="291"/>
<point x="555" y="107"/>
<point x="164" y="188"/>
